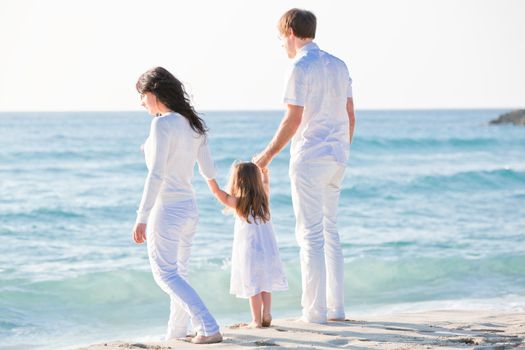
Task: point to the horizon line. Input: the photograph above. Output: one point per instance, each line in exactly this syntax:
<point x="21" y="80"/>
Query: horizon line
<point x="262" y="110"/>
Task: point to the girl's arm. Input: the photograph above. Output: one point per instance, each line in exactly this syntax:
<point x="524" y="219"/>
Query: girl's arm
<point x="221" y="196"/>
<point x="266" y="181"/>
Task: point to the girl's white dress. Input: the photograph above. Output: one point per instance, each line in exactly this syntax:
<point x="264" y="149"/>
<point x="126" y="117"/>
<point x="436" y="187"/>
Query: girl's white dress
<point x="256" y="264"/>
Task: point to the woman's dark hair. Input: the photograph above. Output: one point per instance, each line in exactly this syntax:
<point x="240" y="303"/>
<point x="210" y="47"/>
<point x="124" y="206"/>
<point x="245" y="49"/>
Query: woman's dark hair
<point x="170" y="91"/>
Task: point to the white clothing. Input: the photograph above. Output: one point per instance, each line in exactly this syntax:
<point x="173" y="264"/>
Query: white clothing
<point x="256" y="265"/>
<point x="320" y="149"/>
<point x="169" y="209"/>
<point x="171" y="150"/>
<point x="321" y="84"/>
<point x="170" y="232"/>
<point x="315" y="197"/>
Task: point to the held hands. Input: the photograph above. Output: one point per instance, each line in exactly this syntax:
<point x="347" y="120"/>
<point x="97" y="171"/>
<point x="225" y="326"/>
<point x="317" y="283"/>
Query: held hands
<point x="139" y="233"/>
<point x="265" y="174"/>
<point x="262" y="160"/>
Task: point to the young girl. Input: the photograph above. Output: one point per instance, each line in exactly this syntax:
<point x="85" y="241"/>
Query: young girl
<point x="256" y="265"/>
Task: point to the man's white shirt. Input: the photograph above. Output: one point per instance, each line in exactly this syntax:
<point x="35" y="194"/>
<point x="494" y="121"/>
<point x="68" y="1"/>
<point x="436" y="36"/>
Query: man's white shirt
<point x="321" y="84"/>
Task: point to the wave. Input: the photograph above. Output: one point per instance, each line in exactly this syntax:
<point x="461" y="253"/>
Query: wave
<point x="364" y="144"/>
<point x="44" y="214"/>
<point x="120" y="301"/>
<point x="459" y="182"/>
<point x="369" y="279"/>
<point x="471" y="180"/>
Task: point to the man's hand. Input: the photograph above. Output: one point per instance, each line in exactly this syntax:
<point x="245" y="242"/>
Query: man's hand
<point x="139" y="233"/>
<point x="262" y="160"/>
<point x="287" y="128"/>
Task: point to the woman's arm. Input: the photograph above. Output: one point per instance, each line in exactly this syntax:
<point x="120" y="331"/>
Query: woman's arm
<point x="205" y="161"/>
<point x="221" y="196"/>
<point x="159" y="138"/>
<point x="160" y="141"/>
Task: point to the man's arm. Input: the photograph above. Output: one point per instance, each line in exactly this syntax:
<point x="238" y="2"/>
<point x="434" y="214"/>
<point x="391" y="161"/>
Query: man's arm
<point x="351" y="116"/>
<point x="287" y="128"/>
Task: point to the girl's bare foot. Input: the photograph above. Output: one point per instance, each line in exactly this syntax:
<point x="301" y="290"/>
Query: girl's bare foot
<point x="238" y="325"/>
<point x="266" y="320"/>
<point x="251" y="325"/>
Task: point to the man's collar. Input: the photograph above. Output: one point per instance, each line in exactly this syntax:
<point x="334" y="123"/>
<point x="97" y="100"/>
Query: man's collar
<point x="310" y="46"/>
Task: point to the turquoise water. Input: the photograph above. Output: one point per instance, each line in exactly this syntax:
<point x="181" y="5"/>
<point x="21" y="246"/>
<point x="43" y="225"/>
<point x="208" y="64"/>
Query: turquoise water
<point x="431" y="216"/>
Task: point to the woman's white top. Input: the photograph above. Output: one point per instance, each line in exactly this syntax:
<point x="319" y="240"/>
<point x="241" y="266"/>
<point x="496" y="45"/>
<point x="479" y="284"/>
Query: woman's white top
<point x="171" y="151"/>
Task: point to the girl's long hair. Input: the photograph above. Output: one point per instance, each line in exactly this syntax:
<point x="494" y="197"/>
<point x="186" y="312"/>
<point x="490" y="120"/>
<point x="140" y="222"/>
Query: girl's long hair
<point x="247" y="187"/>
<point x="170" y="91"/>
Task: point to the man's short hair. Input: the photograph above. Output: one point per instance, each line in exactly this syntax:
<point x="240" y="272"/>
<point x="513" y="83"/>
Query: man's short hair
<point x="301" y="22"/>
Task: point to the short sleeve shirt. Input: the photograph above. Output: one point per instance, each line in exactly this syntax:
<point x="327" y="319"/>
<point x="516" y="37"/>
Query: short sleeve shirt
<point x="321" y="84"/>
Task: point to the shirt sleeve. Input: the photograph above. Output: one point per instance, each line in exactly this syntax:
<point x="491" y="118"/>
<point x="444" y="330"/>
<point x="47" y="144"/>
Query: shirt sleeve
<point x="296" y="87"/>
<point x="160" y="141"/>
<point x="349" y="89"/>
<point x="206" y="165"/>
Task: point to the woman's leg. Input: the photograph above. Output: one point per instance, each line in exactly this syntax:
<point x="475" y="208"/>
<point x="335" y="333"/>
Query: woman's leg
<point x="178" y="321"/>
<point x="170" y="224"/>
<point x="266" y="309"/>
<point x="179" y="318"/>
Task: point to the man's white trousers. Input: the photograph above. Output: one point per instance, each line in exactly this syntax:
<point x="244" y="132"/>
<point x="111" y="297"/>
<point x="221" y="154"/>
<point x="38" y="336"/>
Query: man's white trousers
<point x="316" y="186"/>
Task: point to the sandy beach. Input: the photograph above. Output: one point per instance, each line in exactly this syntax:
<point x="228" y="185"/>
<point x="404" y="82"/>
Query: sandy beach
<point x="450" y="329"/>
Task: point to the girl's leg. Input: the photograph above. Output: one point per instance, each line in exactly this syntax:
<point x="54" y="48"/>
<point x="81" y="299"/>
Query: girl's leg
<point x="256" y="307"/>
<point x="266" y="309"/>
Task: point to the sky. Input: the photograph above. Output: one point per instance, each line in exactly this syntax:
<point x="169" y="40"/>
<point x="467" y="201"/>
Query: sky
<point x="63" y="55"/>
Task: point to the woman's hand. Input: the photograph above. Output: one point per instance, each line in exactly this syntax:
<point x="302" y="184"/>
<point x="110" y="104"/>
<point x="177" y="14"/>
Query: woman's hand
<point x="139" y="233"/>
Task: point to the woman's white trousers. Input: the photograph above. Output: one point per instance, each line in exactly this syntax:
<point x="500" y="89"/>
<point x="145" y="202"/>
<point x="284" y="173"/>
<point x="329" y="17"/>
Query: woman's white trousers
<point x="170" y="232"/>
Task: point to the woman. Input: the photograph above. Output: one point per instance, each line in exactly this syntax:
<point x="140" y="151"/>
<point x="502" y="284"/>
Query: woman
<point x="167" y="216"/>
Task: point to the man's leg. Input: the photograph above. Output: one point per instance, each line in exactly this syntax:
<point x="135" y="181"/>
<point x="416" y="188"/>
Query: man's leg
<point x="333" y="251"/>
<point x="307" y="198"/>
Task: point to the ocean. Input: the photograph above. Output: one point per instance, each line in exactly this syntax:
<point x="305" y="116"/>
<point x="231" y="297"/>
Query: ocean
<point x="431" y="217"/>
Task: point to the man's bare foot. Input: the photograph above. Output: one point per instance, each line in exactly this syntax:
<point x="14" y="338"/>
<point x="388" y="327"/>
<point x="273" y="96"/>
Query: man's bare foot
<point x="267" y="320"/>
<point x="207" y="339"/>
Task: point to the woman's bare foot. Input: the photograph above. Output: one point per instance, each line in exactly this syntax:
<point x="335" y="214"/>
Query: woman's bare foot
<point x="207" y="339"/>
<point x="266" y="320"/>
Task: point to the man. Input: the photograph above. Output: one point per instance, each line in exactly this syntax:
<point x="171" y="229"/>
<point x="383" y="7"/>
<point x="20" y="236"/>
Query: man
<point x="319" y="120"/>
